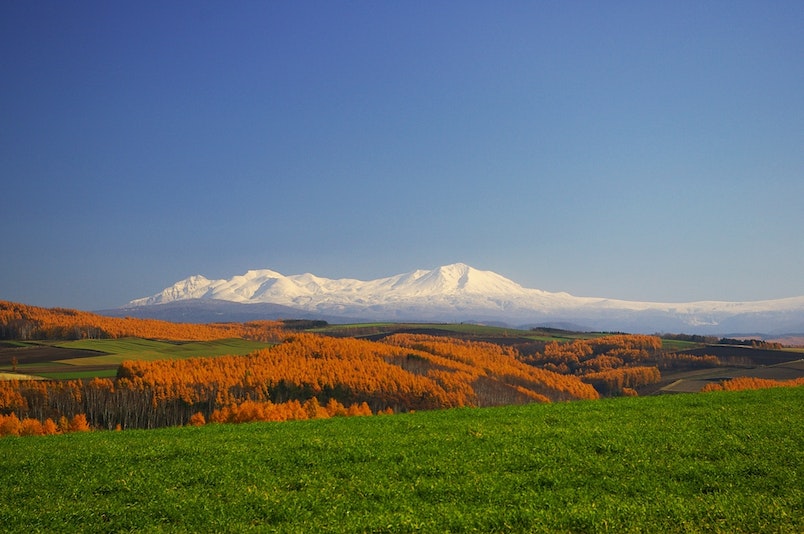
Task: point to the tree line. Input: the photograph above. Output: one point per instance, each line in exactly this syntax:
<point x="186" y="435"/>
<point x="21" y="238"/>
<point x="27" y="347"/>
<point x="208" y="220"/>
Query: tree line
<point x="23" y="322"/>
<point x="749" y="382"/>
<point x="308" y="375"/>
<point x="345" y="376"/>
<point x="615" y="364"/>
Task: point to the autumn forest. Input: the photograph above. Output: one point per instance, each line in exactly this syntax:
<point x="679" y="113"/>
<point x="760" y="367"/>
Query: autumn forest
<point x="307" y="375"/>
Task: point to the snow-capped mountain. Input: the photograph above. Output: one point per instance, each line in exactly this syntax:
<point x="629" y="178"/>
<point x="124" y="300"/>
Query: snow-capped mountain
<point x="459" y="292"/>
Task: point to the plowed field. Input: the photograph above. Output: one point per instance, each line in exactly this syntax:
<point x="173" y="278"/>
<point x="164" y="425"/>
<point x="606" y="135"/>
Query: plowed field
<point x="42" y="354"/>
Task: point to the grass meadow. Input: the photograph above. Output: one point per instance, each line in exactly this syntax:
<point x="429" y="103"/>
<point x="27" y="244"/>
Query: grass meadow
<point x="717" y="462"/>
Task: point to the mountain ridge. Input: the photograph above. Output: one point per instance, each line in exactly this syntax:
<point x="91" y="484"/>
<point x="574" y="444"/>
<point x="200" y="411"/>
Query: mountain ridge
<point x="460" y="292"/>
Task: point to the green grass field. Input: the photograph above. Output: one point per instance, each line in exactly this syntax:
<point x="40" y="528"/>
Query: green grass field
<point x="678" y="345"/>
<point x="721" y="462"/>
<point x="119" y="350"/>
<point x="461" y="329"/>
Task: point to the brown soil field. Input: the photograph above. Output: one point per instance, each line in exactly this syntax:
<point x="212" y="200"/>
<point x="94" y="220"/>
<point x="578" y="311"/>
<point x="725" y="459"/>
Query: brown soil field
<point x="746" y="355"/>
<point x="748" y="362"/>
<point x="42" y="354"/>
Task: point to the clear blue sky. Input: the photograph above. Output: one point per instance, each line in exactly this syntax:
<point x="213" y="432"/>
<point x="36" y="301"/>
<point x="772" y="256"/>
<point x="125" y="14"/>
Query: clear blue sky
<point x="636" y="150"/>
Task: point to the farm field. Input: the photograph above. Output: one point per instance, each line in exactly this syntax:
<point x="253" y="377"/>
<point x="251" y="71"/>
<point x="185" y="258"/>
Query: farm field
<point x="90" y="358"/>
<point x="738" y="361"/>
<point x="717" y="462"/>
<point x="468" y="330"/>
<point x="694" y="381"/>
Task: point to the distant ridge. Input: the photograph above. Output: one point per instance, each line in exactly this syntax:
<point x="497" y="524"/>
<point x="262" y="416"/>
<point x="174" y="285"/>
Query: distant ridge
<point x="456" y="292"/>
<point x="201" y="311"/>
<point x="272" y="287"/>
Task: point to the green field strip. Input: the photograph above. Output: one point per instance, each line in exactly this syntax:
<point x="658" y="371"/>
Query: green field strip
<point x="678" y="345"/>
<point x="120" y="350"/>
<point x="118" y="346"/>
<point x="78" y="374"/>
<point x="479" y="330"/>
<point x="109" y="359"/>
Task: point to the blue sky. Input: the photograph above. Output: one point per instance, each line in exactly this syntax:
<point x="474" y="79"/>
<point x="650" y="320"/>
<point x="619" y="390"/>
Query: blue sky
<point x="636" y="150"/>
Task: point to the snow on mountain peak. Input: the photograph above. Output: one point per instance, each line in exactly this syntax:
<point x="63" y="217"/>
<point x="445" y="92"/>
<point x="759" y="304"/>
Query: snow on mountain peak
<point x="459" y="291"/>
<point x="190" y="288"/>
<point x="461" y="278"/>
<point x="270" y="286"/>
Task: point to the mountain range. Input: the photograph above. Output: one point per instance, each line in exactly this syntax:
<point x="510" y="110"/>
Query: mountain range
<point x="451" y="293"/>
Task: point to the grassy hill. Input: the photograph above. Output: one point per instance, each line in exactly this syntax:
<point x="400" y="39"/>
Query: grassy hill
<point x="719" y="462"/>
